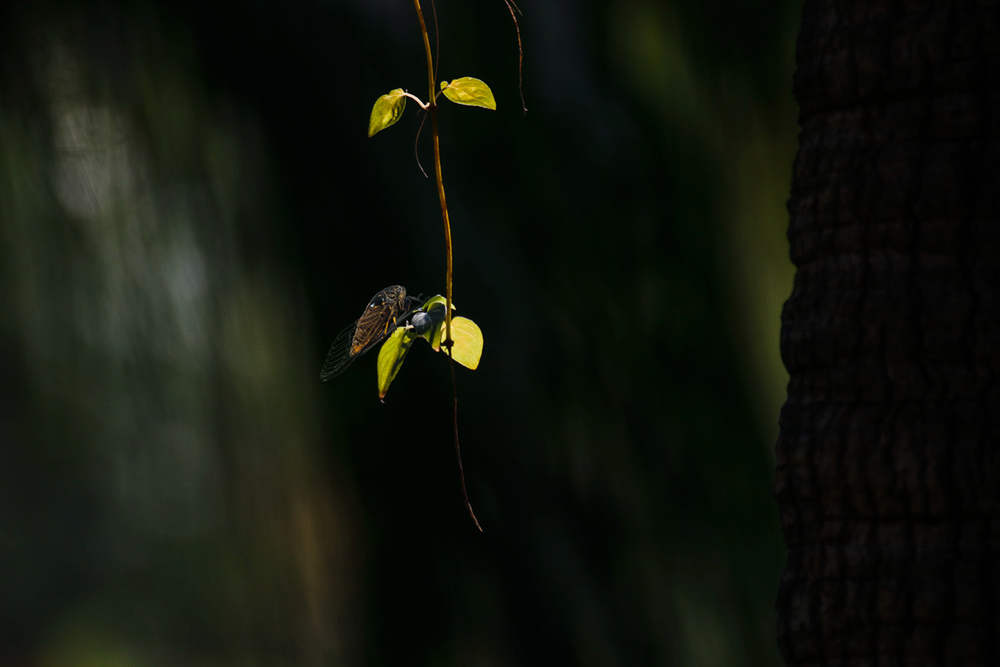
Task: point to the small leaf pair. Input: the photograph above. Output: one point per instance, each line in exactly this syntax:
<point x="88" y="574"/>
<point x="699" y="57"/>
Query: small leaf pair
<point x="467" y="91"/>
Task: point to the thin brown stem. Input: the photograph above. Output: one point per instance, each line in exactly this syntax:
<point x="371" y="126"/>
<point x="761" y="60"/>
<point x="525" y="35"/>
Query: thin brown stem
<point x="447" y="343"/>
<point x="416" y="145"/>
<point x="427" y="49"/>
<point x="458" y="451"/>
<point x="432" y="109"/>
<point x="437" y="40"/>
<point x="511" y="7"/>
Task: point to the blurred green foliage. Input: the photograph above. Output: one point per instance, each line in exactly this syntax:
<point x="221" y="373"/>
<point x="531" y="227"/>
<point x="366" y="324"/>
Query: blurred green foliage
<point x="187" y="198"/>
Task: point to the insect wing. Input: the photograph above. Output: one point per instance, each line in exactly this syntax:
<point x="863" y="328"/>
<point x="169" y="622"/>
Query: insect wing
<point x="339" y="357"/>
<point x="377" y="322"/>
<point x="379" y="319"/>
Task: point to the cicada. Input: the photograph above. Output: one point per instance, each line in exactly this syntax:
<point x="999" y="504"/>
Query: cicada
<point x="384" y="313"/>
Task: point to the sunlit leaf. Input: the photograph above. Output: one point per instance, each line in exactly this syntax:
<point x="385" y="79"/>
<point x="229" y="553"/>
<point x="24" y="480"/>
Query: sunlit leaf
<point x="435" y="306"/>
<point x="390" y="358"/>
<point x="469" y="92"/>
<point x="467" y="339"/>
<point x="387" y="110"/>
<point x="435" y="335"/>
<point x="433" y="301"/>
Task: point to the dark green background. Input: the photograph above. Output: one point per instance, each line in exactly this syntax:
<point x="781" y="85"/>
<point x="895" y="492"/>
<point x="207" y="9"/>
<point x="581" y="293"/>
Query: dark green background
<point x="190" y="211"/>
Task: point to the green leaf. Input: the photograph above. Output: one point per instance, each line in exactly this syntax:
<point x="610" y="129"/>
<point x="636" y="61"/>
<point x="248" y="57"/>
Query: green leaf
<point x="434" y="300"/>
<point x="435" y="335"/>
<point x="387" y="110"/>
<point x="469" y="92"/>
<point x="390" y="358"/>
<point x="436" y="305"/>
<point x="467" y="347"/>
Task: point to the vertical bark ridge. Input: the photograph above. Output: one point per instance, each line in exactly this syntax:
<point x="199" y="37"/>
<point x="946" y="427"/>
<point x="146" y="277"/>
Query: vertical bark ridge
<point x="888" y="460"/>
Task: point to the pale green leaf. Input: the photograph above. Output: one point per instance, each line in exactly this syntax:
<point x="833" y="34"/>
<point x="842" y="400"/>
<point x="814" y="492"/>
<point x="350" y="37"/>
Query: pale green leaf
<point x="467" y="347"/>
<point x="434" y="335"/>
<point x="433" y="301"/>
<point x="387" y="110"/>
<point x="469" y="92"/>
<point x="390" y="358"/>
<point x="436" y="311"/>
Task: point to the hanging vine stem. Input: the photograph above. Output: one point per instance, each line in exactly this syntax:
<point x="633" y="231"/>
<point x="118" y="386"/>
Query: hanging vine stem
<point x="447" y="343"/>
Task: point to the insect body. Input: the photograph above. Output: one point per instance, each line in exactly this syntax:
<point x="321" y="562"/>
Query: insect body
<point x="379" y="320"/>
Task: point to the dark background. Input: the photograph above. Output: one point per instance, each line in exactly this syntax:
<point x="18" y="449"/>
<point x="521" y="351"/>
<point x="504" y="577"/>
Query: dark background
<point x="190" y="211"/>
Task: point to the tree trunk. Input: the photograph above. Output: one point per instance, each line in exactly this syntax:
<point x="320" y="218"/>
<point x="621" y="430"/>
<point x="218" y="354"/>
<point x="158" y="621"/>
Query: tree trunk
<point x="888" y="465"/>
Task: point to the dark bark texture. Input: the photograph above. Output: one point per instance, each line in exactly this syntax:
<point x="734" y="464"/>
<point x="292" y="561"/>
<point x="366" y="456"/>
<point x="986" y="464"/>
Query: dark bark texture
<point x="888" y="465"/>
